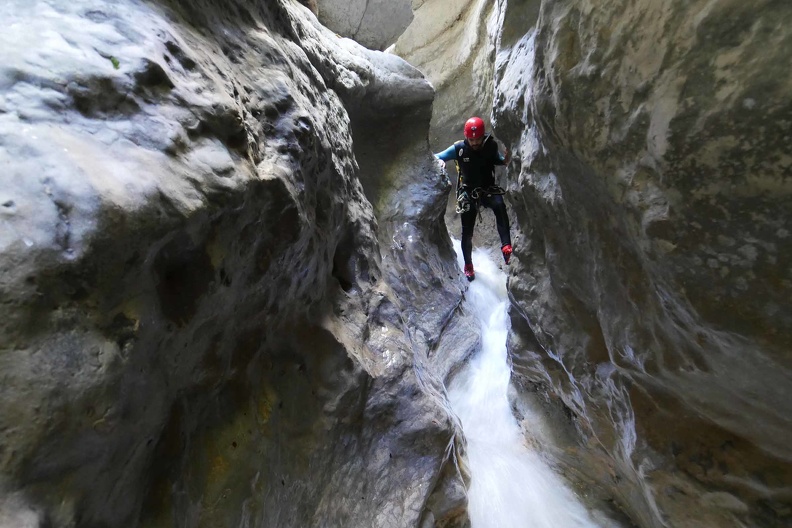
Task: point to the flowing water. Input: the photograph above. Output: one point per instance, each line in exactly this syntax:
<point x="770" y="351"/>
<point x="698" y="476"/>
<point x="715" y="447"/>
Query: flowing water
<point x="511" y="486"/>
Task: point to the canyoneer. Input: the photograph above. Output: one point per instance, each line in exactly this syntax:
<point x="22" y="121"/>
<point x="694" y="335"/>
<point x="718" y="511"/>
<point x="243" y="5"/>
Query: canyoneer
<point x="476" y="157"/>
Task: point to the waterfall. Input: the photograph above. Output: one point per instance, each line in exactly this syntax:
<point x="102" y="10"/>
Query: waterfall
<point x="511" y="486"/>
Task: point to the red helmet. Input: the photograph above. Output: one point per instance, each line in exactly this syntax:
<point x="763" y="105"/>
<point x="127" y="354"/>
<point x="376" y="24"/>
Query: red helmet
<point x="474" y="128"/>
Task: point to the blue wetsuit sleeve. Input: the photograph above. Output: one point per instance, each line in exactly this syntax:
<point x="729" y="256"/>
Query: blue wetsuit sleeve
<point x="448" y="154"/>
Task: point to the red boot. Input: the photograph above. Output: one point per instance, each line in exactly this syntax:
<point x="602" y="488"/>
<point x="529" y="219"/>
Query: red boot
<point x="507" y="251"/>
<point x="469" y="273"/>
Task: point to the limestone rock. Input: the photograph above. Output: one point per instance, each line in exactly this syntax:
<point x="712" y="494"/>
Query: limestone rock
<point x="375" y="24"/>
<point x="651" y="289"/>
<point x="452" y="43"/>
<point x="205" y="320"/>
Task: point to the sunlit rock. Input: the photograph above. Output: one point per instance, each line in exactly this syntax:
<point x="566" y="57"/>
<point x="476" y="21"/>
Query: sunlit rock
<point x="375" y="24"/>
<point x="219" y="308"/>
<point x="452" y="43"/>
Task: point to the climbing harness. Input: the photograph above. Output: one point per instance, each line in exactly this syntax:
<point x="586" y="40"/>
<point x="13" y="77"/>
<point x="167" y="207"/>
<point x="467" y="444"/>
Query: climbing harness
<point x="463" y="203"/>
<point x="463" y="200"/>
<point x="478" y="192"/>
<point x="466" y="200"/>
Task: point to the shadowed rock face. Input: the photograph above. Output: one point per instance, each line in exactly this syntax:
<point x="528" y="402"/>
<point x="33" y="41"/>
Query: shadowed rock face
<point x="228" y="297"/>
<point x="218" y="309"/>
<point x="652" y="185"/>
<point x="651" y="281"/>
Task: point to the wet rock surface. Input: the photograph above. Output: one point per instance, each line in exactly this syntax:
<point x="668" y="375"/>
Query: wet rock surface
<point x="226" y="300"/>
<point x="652" y="188"/>
<point x="229" y="298"/>
<point x="652" y="267"/>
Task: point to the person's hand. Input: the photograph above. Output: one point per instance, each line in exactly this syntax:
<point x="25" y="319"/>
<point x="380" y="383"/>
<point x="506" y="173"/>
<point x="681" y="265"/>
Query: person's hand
<point x="441" y="166"/>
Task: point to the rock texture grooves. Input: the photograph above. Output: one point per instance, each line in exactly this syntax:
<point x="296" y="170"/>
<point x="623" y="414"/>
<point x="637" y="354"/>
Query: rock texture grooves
<point x="651" y="290"/>
<point x="197" y="325"/>
<point x="651" y="280"/>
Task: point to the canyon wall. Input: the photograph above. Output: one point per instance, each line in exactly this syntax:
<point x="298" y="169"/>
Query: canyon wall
<point x="213" y="314"/>
<point x="652" y="187"/>
<point x="650" y="192"/>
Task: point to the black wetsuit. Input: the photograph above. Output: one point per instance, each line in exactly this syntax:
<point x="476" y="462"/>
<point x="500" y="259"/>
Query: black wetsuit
<point x="477" y="170"/>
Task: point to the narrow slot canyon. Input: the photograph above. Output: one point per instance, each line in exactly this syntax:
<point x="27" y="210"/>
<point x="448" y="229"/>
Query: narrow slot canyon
<point x="233" y="288"/>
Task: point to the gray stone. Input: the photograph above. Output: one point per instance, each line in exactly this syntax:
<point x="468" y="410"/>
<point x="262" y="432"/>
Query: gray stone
<point x="650" y="184"/>
<point x="452" y="42"/>
<point x="651" y="189"/>
<point x="206" y="317"/>
<point x="375" y="24"/>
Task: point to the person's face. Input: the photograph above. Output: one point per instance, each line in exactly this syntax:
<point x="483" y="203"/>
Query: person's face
<point x="475" y="143"/>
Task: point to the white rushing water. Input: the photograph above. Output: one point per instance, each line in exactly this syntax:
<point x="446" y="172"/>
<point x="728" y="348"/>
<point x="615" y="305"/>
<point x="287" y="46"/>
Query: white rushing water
<point x="511" y="486"/>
